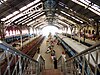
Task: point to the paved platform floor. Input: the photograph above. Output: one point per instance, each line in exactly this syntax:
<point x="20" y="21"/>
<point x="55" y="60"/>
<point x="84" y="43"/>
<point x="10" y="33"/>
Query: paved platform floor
<point x="48" y="61"/>
<point x="52" y="72"/>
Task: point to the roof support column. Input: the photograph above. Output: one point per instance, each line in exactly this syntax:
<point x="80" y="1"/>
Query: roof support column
<point x="2" y="31"/>
<point x="97" y="30"/>
<point x="74" y="32"/>
<point x="79" y="34"/>
<point x="84" y="34"/>
<point x="61" y="29"/>
<point x="28" y="31"/>
<point x="66" y="29"/>
<point x="36" y="32"/>
<point x="21" y="39"/>
<point x="33" y="31"/>
<point x="39" y="31"/>
<point x="71" y="28"/>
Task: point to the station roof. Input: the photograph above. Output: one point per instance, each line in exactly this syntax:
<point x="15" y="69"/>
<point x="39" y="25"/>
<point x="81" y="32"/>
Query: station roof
<point x="32" y="13"/>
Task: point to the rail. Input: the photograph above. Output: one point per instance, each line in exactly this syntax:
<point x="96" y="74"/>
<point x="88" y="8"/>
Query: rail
<point x="41" y="61"/>
<point x="85" y="63"/>
<point x="14" y="62"/>
<point x="62" y="65"/>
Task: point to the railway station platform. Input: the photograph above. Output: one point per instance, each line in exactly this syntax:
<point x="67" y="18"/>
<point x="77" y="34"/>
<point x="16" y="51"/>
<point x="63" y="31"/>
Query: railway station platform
<point x="47" y="56"/>
<point x="76" y="52"/>
<point x="79" y="47"/>
<point x="49" y="37"/>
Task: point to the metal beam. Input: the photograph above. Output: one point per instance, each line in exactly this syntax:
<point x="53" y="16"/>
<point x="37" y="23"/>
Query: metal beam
<point x="29" y="17"/>
<point x="72" y="13"/>
<point x="34" y="19"/>
<point x="20" y="11"/>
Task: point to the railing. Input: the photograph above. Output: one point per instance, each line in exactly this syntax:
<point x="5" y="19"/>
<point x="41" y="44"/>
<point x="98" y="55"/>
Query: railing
<point x="62" y="65"/>
<point x="14" y="62"/>
<point x="41" y="63"/>
<point x="84" y="63"/>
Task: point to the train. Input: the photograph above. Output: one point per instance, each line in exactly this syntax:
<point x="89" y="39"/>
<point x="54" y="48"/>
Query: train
<point x="16" y="38"/>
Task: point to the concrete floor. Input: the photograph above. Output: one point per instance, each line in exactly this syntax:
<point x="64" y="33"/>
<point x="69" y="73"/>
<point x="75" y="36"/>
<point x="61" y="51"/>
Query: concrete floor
<point x="48" y="61"/>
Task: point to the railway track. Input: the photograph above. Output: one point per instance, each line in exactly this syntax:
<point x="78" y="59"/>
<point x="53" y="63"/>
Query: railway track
<point x="30" y="49"/>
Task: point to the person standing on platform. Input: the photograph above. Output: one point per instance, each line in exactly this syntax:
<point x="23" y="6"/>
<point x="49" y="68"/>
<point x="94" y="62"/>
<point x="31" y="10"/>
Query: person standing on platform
<point x="55" y="63"/>
<point x="38" y="50"/>
<point x="53" y="54"/>
<point x="64" y="55"/>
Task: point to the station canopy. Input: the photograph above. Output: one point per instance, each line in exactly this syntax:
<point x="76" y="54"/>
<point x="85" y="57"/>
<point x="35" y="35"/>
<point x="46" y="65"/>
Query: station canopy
<point x="40" y="13"/>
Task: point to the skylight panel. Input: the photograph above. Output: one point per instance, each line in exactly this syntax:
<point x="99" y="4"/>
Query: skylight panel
<point x="40" y="19"/>
<point x="76" y="1"/>
<point x="35" y="16"/>
<point x="23" y="8"/>
<point x="12" y="19"/>
<point x="21" y="19"/>
<point x="36" y="25"/>
<point x="95" y="11"/>
<point x="7" y="17"/>
<point x="33" y="9"/>
<point x="60" y="3"/>
<point x="9" y="21"/>
<point x="30" y="4"/>
<point x="2" y="1"/>
<point x="87" y="4"/>
<point x="5" y="0"/>
<point x="16" y="12"/>
<point x="71" y="17"/>
<point x="30" y="23"/>
<point x="59" y="16"/>
<point x="27" y="21"/>
<point x="62" y="22"/>
<point x="3" y="19"/>
<point x="38" y="15"/>
<point x="59" y="25"/>
<point x="64" y="13"/>
<point x="77" y="19"/>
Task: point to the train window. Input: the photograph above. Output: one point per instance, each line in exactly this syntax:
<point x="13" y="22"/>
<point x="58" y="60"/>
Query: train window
<point x="93" y="31"/>
<point x="89" y="31"/>
<point x="86" y="31"/>
<point x="1" y="50"/>
<point x="16" y="44"/>
<point x="34" y="9"/>
<point x="40" y="6"/>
